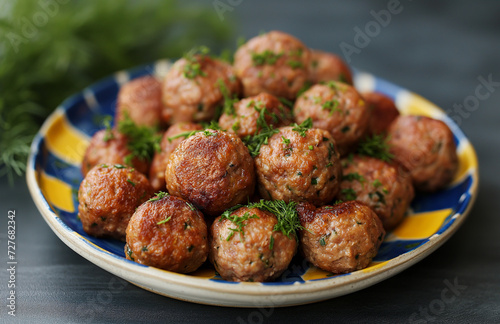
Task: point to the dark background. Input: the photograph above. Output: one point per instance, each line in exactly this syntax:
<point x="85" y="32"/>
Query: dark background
<point x="435" y="48"/>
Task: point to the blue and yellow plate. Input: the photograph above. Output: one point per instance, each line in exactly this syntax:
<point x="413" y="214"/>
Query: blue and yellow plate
<point x="54" y="177"/>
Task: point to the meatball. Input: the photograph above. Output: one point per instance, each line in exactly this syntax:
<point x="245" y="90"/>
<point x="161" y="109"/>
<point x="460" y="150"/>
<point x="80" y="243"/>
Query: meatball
<point x="426" y="147"/>
<point x="140" y="99"/>
<point x="168" y="145"/>
<point x="274" y="62"/>
<point x="244" y="121"/>
<point x="383" y="112"/>
<point x="327" y="67"/>
<point x="384" y="187"/>
<point x="110" y="146"/>
<point x="241" y="248"/>
<point x="167" y="232"/>
<point x="338" y="108"/>
<point x="192" y="89"/>
<point x="108" y="196"/>
<point x="213" y="170"/>
<point x="293" y="167"/>
<point x="340" y="238"/>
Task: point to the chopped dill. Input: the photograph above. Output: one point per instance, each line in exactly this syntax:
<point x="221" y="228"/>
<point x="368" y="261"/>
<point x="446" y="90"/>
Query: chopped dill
<point x="229" y="101"/>
<point x="192" y="69"/>
<point x="164" y="221"/>
<point x="303" y="127"/>
<point x="142" y="142"/>
<point x="354" y="176"/>
<point x="267" y="57"/>
<point x="158" y="196"/>
<point x="377" y="147"/>
<point x="239" y="221"/>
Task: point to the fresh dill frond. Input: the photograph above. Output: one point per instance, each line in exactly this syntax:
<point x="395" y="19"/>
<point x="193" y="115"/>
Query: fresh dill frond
<point x="264" y="131"/>
<point x="303" y="127"/>
<point x="192" y="68"/>
<point x="229" y="101"/>
<point x="142" y="142"/>
<point x="376" y="146"/>
<point x="239" y="221"/>
<point x="158" y="196"/>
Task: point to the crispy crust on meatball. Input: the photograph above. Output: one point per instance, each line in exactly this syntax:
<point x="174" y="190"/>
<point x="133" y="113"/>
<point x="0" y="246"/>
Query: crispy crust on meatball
<point x="340" y="238"/>
<point x="195" y="99"/>
<point x="385" y="187"/>
<point x="383" y="112"/>
<point x="140" y="99"/>
<point x="249" y="256"/>
<point x="425" y="146"/>
<point x="244" y="121"/>
<point x="338" y="108"/>
<point x="167" y="233"/>
<point x="108" y="196"/>
<point x="275" y="62"/>
<point x="328" y="66"/>
<point x="213" y="170"/>
<point x="110" y="148"/>
<point x="167" y="146"/>
<point x="296" y="168"/>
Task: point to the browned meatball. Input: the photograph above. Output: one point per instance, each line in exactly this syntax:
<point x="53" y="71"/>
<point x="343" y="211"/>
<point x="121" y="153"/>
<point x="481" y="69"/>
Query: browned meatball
<point x="244" y="121"/>
<point x="383" y="112"/>
<point x="426" y="147"/>
<point x="340" y="238"/>
<point x="110" y="147"/>
<point x="338" y="108"/>
<point x="384" y="187"/>
<point x="248" y="253"/>
<point x="167" y="233"/>
<point x="328" y="66"/>
<point x="194" y="96"/>
<point x="293" y="167"/>
<point x="213" y="170"/>
<point x="159" y="163"/>
<point x="275" y="62"/>
<point x="108" y="196"/>
<point x="140" y="99"/>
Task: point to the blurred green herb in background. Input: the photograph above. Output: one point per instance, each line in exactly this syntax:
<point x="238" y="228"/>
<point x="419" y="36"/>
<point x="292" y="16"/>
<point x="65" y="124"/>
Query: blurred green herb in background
<point x="50" y="49"/>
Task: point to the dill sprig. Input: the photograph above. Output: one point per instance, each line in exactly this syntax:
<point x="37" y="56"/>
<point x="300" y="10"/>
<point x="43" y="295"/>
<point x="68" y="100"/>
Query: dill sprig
<point x="376" y="146"/>
<point x="303" y="127"/>
<point x="142" y="142"/>
<point x="192" y="69"/>
<point x="239" y="221"/>
<point x="83" y="41"/>
<point x="262" y="135"/>
<point x="159" y="195"/>
<point x="229" y="101"/>
<point x="212" y="125"/>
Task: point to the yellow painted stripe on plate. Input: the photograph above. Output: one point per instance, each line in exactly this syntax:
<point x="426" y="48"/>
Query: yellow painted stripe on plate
<point x="64" y="141"/>
<point x="91" y="243"/>
<point x="204" y="273"/>
<point x="421" y="225"/>
<point x="316" y="273"/>
<point x="413" y="104"/>
<point x="467" y="161"/>
<point x="57" y="192"/>
<point x="374" y="266"/>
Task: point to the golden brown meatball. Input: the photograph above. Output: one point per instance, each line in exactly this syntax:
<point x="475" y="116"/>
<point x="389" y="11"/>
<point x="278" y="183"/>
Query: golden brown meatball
<point x="140" y="99"/>
<point x="244" y="121"/>
<point x="167" y="232"/>
<point x="275" y="62"/>
<point x="241" y="248"/>
<point x="327" y="67"/>
<point x="340" y="238"/>
<point x="426" y="147"/>
<point x="110" y="147"/>
<point x="338" y="108"/>
<point x="383" y="112"/>
<point x="293" y="167"/>
<point x="213" y="170"/>
<point x="108" y="196"/>
<point x="167" y="146"/>
<point x="191" y="89"/>
<point x="385" y="187"/>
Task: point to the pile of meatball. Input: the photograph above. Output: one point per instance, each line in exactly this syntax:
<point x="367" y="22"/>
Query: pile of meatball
<point x="168" y="209"/>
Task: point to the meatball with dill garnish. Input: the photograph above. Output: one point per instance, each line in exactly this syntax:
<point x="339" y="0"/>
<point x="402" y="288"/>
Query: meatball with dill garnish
<point x="384" y="186"/>
<point x="108" y="196"/>
<point x="338" y="108"/>
<point x="169" y="233"/>
<point x="256" y="242"/>
<point x="247" y="116"/>
<point x="426" y="147"/>
<point x="326" y="67"/>
<point x="340" y="238"/>
<point x="299" y="163"/>
<point x="274" y="62"/>
<point x="213" y="170"/>
<point x="191" y="89"/>
<point x="171" y="139"/>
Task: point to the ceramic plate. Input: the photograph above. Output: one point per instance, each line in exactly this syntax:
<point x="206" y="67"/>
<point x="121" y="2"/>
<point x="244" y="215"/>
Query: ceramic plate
<point x="54" y="176"/>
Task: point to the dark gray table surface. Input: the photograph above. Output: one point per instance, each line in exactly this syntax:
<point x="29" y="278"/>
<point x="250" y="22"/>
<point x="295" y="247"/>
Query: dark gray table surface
<point x="438" y="49"/>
